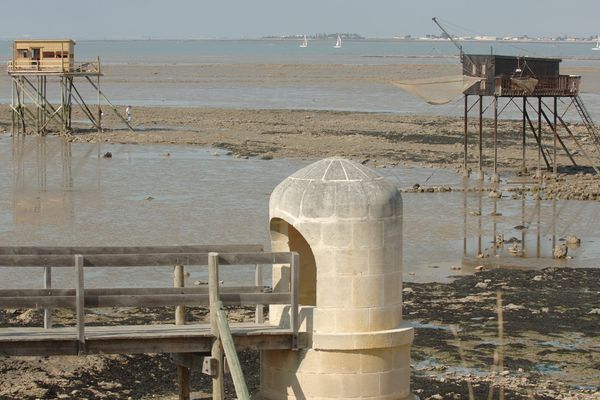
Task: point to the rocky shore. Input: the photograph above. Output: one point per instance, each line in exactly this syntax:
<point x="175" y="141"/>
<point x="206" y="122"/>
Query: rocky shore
<point x="375" y="139"/>
<point x="546" y="346"/>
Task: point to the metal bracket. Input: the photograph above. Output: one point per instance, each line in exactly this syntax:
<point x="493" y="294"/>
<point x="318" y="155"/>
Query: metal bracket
<point x="210" y="366"/>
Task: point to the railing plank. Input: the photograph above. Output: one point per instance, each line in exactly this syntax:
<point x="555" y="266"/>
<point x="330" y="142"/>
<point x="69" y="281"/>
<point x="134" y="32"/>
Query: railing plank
<point x="143" y="260"/>
<point x="80" y="302"/>
<point x="148" y="300"/>
<point x="85" y="250"/>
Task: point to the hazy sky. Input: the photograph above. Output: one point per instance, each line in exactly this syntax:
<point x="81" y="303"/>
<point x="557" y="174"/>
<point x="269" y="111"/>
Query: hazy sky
<point x="108" y="19"/>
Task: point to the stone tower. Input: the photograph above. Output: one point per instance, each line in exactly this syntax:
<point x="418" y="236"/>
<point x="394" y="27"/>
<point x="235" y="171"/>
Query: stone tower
<point x="345" y="221"/>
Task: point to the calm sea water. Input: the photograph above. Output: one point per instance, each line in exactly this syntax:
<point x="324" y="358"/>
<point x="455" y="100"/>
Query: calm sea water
<point x="254" y="93"/>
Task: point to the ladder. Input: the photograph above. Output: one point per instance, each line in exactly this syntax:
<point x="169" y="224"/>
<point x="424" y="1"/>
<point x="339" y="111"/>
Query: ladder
<point x="588" y="122"/>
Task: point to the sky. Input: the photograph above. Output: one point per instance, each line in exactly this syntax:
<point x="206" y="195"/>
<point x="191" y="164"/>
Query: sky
<point x="189" y="19"/>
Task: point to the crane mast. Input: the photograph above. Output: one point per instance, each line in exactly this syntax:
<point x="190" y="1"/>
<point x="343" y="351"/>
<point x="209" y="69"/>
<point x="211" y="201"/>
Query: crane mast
<point x="454" y="42"/>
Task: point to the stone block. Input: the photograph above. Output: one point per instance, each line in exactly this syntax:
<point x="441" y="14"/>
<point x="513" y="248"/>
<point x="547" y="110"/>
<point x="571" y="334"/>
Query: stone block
<point x="340" y="362"/>
<point x="401" y="356"/>
<point x="335" y="291"/>
<point x="337" y="234"/>
<point x="350" y="320"/>
<point x="351" y="201"/>
<point x="325" y="319"/>
<point x="367" y="291"/>
<point x="319" y="200"/>
<point x="310" y="231"/>
<point x="376" y="360"/>
<point x="396" y="382"/>
<point x="368" y="234"/>
<point x="385" y="318"/>
<point x="360" y="386"/>
<point x="351" y="262"/>
<point x="321" y="385"/>
<point x="392" y="289"/>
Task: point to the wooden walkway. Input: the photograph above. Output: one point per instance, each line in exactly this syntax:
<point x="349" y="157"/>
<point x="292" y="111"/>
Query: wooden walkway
<point x="191" y="344"/>
<point x="131" y="339"/>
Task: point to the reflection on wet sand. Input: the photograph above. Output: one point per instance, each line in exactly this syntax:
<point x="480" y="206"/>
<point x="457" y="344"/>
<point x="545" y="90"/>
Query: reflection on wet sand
<point x="539" y="234"/>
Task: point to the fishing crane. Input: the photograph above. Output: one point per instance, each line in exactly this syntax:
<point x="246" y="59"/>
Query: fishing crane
<point x="454" y="42"/>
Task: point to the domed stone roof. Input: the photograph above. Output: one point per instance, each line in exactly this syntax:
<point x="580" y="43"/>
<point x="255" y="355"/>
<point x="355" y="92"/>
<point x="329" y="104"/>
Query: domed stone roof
<point x="334" y="188"/>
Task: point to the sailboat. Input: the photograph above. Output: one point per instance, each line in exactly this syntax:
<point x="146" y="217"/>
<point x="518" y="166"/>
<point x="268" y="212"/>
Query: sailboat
<point x="338" y="43"/>
<point x="597" y="43"/>
<point x="304" y="42"/>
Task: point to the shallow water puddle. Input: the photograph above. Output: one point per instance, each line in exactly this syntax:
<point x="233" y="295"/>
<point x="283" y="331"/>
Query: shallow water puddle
<point x="56" y="193"/>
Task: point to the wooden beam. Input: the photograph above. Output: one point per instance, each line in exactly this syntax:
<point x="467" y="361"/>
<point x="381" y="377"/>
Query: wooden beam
<point x="143" y="260"/>
<point x="80" y="299"/>
<point x="161" y="300"/>
<point x="241" y="389"/>
<point x="218" y="386"/>
<point x="85" y="250"/>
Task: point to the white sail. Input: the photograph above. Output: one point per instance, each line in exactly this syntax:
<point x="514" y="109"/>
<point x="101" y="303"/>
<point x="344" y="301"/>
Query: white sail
<point x="338" y="43"/>
<point x="597" y="43"/>
<point x="304" y="42"/>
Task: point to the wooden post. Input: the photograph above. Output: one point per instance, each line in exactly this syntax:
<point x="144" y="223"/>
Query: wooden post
<point x="259" y="316"/>
<point x="523" y="165"/>
<point x="466" y="143"/>
<point x="217" y="349"/>
<point x="294" y="288"/>
<point x="241" y="389"/>
<point x="495" y="177"/>
<point x="47" y="285"/>
<point x="183" y="373"/>
<point x="554" y="127"/>
<point x="99" y="106"/>
<point x="480" y="137"/>
<point x="539" y="172"/>
<point x="80" y="297"/>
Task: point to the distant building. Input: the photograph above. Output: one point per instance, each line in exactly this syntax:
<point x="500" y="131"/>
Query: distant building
<point x="48" y="55"/>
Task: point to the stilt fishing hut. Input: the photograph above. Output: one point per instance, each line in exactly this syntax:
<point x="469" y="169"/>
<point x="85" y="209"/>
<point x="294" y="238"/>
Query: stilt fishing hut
<point x="36" y="62"/>
<point x="534" y="86"/>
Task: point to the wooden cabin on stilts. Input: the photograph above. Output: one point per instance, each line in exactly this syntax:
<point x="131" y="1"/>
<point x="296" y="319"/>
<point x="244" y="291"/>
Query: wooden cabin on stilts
<point x="535" y="87"/>
<point x="35" y="65"/>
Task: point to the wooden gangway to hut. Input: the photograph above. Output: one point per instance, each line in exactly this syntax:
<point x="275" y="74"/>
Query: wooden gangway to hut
<point x="191" y="343"/>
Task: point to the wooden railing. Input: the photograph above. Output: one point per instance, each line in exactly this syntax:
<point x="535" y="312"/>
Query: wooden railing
<point x="562" y="85"/>
<point x="214" y="296"/>
<point x="50" y="65"/>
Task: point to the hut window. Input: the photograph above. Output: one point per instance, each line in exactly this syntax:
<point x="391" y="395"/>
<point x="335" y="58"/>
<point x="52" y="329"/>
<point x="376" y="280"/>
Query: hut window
<point x="48" y="54"/>
<point x="23" y="53"/>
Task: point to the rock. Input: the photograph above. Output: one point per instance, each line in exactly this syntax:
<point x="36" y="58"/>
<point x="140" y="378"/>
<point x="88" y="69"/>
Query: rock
<point x="408" y="290"/>
<point x="456" y="267"/>
<point x="538" y="278"/>
<point x="266" y="157"/>
<point x="561" y="251"/>
<point x="545" y="309"/>
<point x="26" y="316"/>
<point x="479" y="268"/>
<point x="519" y="227"/>
<point x="435" y="397"/>
<point x="595" y="311"/>
<point x="495" y="194"/>
<point x="481" y="285"/>
<point x="149" y="198"/>
<point x="512" y="306"/>
<point x="108" y="154"/>
<point x="573" y="240"/>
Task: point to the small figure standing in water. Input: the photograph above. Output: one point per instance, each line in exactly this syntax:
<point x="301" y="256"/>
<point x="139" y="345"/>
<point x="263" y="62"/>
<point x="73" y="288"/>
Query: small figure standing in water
<point x="128" y="112"/>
